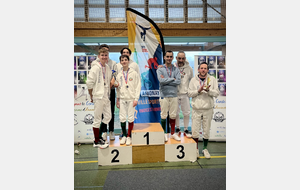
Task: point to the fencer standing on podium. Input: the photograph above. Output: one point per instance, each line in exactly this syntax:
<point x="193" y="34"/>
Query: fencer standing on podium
<point x="99" y="84"/>
<point x="128" y="86"/>
<point x="113" y="66"/>
<point x="202" y="88"/>
<point x="186" y="73"/>
<point x="169" y="78"/>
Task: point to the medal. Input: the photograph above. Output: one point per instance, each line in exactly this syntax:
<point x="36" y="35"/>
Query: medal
<point x="181" y="70"/>
<point x="126" y="78"/>
<point x="103" y="73"/>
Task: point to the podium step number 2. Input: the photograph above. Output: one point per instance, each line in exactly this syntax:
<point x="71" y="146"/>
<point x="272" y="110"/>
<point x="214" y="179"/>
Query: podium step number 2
<point x="115" y="154"/>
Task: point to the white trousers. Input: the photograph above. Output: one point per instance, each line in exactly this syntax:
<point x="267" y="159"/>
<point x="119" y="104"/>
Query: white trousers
<point x="168" y="105"/>
<point x="101" y="106"/>
<point x="206" y="122"/>
<point x="126" y="109"/>
<point x="184" y="104"/>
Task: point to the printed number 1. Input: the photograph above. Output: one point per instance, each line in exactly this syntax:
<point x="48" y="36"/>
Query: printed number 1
<point x="147" y="135"/>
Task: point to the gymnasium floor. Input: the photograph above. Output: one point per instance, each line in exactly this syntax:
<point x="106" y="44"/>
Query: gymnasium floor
<point x="88" y="175"/>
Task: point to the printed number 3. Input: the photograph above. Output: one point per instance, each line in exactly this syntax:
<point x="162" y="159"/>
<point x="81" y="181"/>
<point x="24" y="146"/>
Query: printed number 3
<point x="182" y="148"/>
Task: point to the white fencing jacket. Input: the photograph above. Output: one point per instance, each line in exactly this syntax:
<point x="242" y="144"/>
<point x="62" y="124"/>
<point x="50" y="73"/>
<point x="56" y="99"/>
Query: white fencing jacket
<point x="203" y="100"/>
<point x="134" y="85"/>
<point x="96" y="81"/>
<point x="186" y="73"/>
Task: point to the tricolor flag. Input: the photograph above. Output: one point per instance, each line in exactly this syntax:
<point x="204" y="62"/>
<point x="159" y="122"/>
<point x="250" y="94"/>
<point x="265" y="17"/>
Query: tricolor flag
<point x="146" y="42"/>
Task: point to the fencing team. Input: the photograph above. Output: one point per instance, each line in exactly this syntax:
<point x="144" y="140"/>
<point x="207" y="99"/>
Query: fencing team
<point x="176" y="84"/>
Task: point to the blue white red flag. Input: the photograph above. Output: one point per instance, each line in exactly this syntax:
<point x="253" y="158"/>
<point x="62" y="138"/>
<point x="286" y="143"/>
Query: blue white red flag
<point x="146" y="42"/>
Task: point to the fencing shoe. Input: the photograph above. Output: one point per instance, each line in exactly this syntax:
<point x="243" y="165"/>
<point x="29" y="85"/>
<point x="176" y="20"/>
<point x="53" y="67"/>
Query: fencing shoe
<point x="175" y="136"/>
<point x="128" y="141"/>
<point x="206" y="153"/>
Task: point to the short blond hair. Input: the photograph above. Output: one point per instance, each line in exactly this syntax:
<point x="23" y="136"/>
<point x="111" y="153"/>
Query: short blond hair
<point x="102" y="50"/>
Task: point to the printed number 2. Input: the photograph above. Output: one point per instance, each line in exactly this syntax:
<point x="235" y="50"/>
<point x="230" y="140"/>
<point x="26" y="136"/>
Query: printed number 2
<point x="114" y="159"/>
<point x="147" y="135"/>
<point x="182" y="148"/>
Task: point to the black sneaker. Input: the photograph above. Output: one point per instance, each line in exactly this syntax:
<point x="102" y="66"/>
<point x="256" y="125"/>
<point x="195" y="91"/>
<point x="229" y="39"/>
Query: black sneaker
<point x="103" y="144"/>
<point x="96" y="145"/>
<point x="178" y="132"/>
<point x="100" y="144"/>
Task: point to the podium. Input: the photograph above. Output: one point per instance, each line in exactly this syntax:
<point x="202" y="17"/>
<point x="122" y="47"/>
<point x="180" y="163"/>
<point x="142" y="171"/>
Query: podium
<point x="147" y="146"/>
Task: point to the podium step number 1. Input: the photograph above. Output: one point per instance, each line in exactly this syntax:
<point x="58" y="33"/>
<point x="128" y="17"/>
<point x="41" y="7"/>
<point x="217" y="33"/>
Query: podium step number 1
<point x="147" y="134"/>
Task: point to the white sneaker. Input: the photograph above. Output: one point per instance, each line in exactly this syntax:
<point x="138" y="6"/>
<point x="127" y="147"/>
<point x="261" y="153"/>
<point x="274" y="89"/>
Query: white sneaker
<point x="128" y="141"/>
<point x="123" y="140"/>
<point x="104" y="136"/>
<point x="206" y="153"/>
<point x="111" y="135"/>
<point x="175" y="136"/>
<point x="197" y="153"/>
<point x="166" y="137"/>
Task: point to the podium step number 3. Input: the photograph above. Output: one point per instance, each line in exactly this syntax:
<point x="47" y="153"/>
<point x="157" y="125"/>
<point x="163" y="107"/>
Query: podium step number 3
<point x="184" y="150"/>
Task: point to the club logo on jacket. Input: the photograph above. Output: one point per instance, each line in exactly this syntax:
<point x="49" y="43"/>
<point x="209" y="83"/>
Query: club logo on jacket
<point x="219" y="117"/>
<point x="130" y="79"/>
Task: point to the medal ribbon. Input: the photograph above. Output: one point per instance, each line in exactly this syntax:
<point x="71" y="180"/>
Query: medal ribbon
<point x="126" y="78"/>
<point x="201" y="82"/>
<point x="180" y="69"/>
<point x="103" y="73"/>
<point x="170" y="71"/>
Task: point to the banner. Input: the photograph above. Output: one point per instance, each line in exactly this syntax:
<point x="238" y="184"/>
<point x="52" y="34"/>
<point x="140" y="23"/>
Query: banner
<point x="146" y="42"/>
<point x="83" y="107"/>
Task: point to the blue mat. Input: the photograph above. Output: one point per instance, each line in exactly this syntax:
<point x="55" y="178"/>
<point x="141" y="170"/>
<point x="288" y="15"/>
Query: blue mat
<point x="208" y="179"/>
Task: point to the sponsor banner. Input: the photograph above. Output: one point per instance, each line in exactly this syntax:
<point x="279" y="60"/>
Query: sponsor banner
<point x="146" y="43"/>
<point x="218" y="125"/>
<point x="83" y="120"/>
<point x="83" y="126"/>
